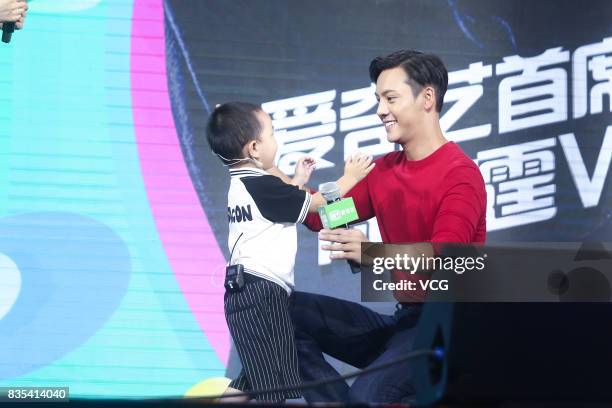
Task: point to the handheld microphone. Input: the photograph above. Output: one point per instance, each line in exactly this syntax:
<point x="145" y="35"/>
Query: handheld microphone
<point x="338" y="212"/>
<point x="330" y="192"/>
<point x="7" y="32"/>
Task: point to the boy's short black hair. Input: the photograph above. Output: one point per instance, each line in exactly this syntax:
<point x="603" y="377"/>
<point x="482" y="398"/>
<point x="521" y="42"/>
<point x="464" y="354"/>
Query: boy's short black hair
<point x="422" y="70"/>
<point x="230" y="127"/>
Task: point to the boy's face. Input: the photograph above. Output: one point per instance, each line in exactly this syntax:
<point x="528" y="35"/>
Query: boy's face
<point x="266" y="145"/>
<point x="400" y="110"/>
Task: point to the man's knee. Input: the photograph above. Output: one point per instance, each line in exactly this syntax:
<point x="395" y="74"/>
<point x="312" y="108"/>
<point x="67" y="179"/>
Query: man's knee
<point x="306" y="313"/>
<point x="381" y="392"/>
<point x="394" y="384"/>
<point x="298" y="309"/>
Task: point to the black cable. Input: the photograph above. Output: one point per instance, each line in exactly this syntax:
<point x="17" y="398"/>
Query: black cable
<point x="234" y="247"/>
<point x="438" y="353"/>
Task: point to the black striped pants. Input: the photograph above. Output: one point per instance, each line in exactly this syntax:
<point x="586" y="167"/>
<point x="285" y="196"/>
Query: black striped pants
<point x="260" y="325"/>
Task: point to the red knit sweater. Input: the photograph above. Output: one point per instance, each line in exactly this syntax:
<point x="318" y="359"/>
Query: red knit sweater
<point x="440" y="198"/>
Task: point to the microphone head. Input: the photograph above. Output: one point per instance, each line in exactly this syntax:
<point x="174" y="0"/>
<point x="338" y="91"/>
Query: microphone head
<point x="330" y="191"/>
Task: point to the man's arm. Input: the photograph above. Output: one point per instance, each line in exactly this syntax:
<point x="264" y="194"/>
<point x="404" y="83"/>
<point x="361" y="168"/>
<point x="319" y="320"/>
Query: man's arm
<point x="462" y="207"/>
<point x="356" y="169"/>
<point x="361" y="197"/>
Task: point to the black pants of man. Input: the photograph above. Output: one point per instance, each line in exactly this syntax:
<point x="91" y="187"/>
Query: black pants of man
<point x="358" y="336"/>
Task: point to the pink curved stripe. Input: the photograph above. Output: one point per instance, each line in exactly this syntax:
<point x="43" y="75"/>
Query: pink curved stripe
<point x="188" y="240"/>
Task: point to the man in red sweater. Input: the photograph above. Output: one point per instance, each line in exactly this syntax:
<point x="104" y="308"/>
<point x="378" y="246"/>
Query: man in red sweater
<point x="429" y="192"/>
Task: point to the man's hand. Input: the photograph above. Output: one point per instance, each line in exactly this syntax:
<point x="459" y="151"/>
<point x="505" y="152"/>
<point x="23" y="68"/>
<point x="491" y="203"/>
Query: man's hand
<point x="12" y="10"/>
<point x="348" y="241"/>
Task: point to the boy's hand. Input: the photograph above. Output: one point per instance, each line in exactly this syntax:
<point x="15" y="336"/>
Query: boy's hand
<point x="303" y="169"/>
<point x="358" y="166"/>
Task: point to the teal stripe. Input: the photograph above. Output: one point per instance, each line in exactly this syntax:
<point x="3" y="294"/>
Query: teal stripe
<point x="67" y="144"/>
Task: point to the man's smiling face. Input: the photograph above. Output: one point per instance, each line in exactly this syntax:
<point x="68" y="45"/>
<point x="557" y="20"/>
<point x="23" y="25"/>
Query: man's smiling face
<point x="398" y="107"/>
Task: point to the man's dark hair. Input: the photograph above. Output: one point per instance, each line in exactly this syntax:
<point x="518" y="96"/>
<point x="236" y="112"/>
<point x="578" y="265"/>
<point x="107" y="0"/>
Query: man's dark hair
<point x="230" y="127"/>
<point x="421" y="69"/>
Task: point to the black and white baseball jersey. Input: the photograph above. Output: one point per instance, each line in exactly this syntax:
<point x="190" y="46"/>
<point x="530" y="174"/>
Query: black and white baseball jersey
<point x="265" y="210"/>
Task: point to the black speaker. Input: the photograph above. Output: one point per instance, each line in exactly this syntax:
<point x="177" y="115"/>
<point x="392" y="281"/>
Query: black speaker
<point x="512" y="352"/>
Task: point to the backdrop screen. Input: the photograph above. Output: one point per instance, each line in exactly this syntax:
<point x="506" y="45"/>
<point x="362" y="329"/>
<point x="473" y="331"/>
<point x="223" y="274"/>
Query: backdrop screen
<point x="113" y="211"/>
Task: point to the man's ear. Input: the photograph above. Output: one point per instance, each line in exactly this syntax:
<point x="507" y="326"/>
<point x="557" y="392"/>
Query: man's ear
<point x="429" y="97"/>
